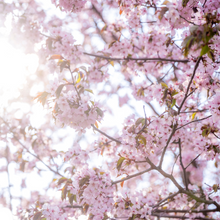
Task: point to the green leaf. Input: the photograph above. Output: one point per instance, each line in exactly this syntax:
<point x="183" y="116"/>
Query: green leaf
<point x="173" y="103"/>
<point x="162" y="12"/>
<point x="64" y="192"/>
<point x="99" y="111"/>
<point x="62" y="180"/>
<point x="42" y="97"/>
<point x="119" y="163"/>
<point x="62" y="64"/>
<point x="164" y="85"/>
<point x="81" y="90"/>
<point x="84" y="180"/>
<point x="22" y="165"/>
<point x="143" y="139"/>
<point x="165" y="2"/>
<point x="71" y="198"/>
<point x="193" y="115"/>
<point x="112" y="63"/>
<point x="140" y="120"/>
<point x="133" y="217"/>
<point x="85" y="209"/>
<point x="215" y="187"/>
<point x="111" y="44"/>
<point x="59" y="89"/>
<point x="187" y="44"/>
<point x="37" y="216"/>
<point x="89" y="90"/>
<point x="33" y="143"/>
<point x="211" y="55"/>
<point x="174" y="93"/>
<point x="184" y="2"/>
<point x="205" y="133"/>
<point x="79" y="78"/>
<point x="204" y="50"/>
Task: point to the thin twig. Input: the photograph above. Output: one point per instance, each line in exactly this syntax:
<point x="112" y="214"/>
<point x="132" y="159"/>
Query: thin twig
<point x="192" y="162"/>
<point x="179" y="217"/>
<point x="73" y="206"/>
<point x="195" y="111"/>
<point x="166" y="175"/>
<point x="185" y="211"/>
<point x="190" y="82"/>
<point x="132" y="176"/>
<point x="148" y="22"/>
<point x="216" y="135"/>
<point x="188" y="20"/>
<point x="132" y="58"/>
<point x="194" y="121"/>
<point x="145" y="121"/>
<point x="101" y="132"/>
<point x="151" y="106"/>
<point x="181" y="163"/>
<point x="144" y="161"/>
<point x="174" y="165"/>
<point x="204" y="3"/>
<point x="169" y="197"/>
<point x="168" y="141"/>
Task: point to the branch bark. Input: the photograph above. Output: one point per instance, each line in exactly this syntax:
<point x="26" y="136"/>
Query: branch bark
<point x="141" y="58"/>
<point x="103" y="133"/>
<point x="190" y="82"/>
<point x="132" y="176"/>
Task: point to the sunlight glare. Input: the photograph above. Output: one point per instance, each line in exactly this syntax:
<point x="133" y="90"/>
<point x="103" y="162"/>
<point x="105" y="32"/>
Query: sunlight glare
<point x="15" y="66"/>
<point x="6" y="214"/>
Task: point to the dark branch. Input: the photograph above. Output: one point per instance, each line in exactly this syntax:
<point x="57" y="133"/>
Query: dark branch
<point x="181" y="163"/>
<point x="168" y="141"/>
<point x="103" y="133"/>
<point x="145" y="121"/>
<point x="192" y="161"/>
<point x="132" y="176"/>
<point x="131" y="58"/>
<point x="169" y="197"/>
<point x="193" y="122"/>
<point x="190" y="82"/>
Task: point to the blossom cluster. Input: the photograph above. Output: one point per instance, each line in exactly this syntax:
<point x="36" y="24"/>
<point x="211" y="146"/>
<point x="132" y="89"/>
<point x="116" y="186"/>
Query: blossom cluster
<point x="76" y="156"/>
<point x="165" y="56"/>
<point x="70" y="5"/>
<point x="63" y="43"/>
<point x="93" y="187"/>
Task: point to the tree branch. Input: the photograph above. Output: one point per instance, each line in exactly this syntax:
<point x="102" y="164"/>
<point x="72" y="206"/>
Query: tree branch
<point x="179" y="217"/>
<point x="181" y="163"/>
<point x="188" y="20"/>
<point x="174" y="165"/>
<point x="192" y="161"/>
<point x="101" y="132"/>
<point x="132" y="176"/>
<point x="190" y="82"/>
<point x="185" y="211"/>
<point x="169" y="197"/>
<point x="193" y="122"/>
<point x="168" y="141"/>
<point x="36" y="156"/>
<point x="145" y="121"/>
<point x="131" y="58"/>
